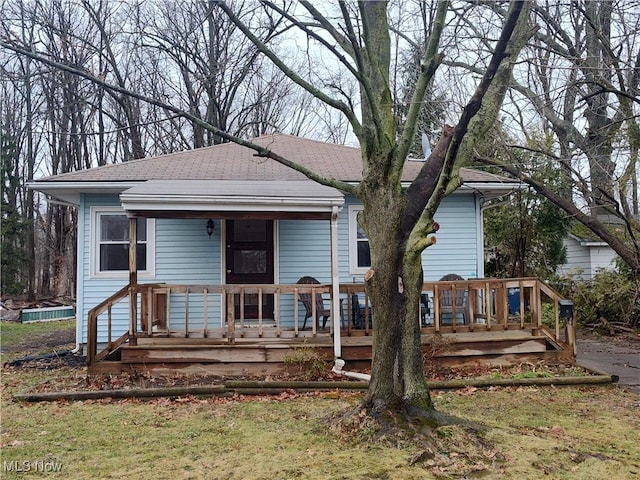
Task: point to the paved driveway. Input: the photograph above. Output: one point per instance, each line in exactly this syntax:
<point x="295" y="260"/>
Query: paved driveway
<point x="616" y="357"/>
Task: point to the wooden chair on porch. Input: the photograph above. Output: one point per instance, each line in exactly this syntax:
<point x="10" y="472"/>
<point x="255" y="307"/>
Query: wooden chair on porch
<point x="357" y="312"/>
<point x="307" y="301"/>
<point x="447" y="300"/>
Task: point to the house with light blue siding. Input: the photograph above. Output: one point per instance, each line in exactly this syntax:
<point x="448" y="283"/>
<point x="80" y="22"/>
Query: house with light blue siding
<point x="211" y="244"/>
<point x="586" y="257"/>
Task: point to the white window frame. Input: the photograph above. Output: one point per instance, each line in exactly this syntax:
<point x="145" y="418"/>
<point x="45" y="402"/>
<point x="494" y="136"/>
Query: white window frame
<point x="96" y="213"/>
<point x="354" y="269"/>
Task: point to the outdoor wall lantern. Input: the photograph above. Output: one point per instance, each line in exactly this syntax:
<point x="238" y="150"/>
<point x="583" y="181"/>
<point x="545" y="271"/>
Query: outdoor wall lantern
<point x="209" y="227"/>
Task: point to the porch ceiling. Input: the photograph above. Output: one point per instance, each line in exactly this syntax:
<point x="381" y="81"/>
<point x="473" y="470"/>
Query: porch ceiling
<point x="195" y="198"/>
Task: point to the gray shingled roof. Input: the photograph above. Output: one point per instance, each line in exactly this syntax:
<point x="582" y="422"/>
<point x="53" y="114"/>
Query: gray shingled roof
<point x="230" y="161"/>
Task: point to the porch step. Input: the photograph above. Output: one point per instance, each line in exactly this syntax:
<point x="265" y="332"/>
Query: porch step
<point x="203" y="353"/>
<point x="166" y="355"/>
<point x="181" y="350"/>
<point x="493" y="347"/>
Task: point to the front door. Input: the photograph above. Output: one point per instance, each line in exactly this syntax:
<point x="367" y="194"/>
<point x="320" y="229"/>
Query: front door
<point x="249" y="260"/>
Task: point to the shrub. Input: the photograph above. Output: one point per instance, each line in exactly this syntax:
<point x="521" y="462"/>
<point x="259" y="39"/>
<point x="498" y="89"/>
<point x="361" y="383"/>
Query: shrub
<point x="611" y="299"/>
<point x="306" y="362"/>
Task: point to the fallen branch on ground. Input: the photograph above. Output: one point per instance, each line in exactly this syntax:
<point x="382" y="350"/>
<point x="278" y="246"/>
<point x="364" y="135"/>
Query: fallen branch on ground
<point x="275" y="388"/>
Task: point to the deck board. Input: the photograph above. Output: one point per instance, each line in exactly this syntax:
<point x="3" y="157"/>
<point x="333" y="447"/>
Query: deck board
<point x="357" y="348"/>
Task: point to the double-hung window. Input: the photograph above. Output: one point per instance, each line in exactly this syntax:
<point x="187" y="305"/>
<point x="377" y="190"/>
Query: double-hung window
<point x="111" y="244"/>
<point x="359" y="251"/>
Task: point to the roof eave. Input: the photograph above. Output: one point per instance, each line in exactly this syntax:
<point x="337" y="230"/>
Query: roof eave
<point x="588" y="243"/>
<point x="71" y="192"/>
<point x="200" y="203"/>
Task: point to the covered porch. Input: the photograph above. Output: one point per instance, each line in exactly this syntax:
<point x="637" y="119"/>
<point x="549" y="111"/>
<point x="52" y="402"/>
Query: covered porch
<point x="203" y="328"/>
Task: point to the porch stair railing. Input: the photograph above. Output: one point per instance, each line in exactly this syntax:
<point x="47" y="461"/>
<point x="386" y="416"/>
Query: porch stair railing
<point x="95" y="313"/>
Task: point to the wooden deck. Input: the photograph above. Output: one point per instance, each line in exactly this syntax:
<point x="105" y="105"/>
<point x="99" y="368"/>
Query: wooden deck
<point x="483" y="330"/>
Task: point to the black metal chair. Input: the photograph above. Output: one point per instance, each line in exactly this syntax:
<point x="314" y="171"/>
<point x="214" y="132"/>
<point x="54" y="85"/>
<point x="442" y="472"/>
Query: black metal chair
<point x="307" y="301"/>
<point x="425" y="310"/>
<point x="357" y="312"/>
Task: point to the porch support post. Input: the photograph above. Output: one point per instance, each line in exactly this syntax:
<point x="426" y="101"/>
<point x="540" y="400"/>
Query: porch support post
<point x="133" y="279"/>
<point x="133" y="243"/>
<point x="335" y="285"/>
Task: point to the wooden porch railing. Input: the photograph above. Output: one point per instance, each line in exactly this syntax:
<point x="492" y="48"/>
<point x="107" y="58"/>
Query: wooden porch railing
<point x="219" y="311"/>
<point x="497" y="304"/>
<point x="149" y="311"/>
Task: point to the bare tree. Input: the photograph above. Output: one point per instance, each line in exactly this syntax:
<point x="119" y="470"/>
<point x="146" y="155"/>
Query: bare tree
<point x="358" y="37"/>
<point x="217" y="66"/>
<point x="186" y="54"/>
<point x="115" y="64"/>
<point x="581" y="84"/>
<point x="399" y="222"/>
<point x="18" y="111"/>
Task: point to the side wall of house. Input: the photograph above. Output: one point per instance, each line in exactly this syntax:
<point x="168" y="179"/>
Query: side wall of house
<point x="184" y="254"/>
<point x="585" y="261"/>
<point x="578" y="262"/>
<point x="603" y="257"/>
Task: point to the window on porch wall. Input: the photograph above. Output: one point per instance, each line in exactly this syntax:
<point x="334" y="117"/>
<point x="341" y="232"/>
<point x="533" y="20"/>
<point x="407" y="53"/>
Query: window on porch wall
<point x="110" y="230"/>
<point x="359" y="250"/>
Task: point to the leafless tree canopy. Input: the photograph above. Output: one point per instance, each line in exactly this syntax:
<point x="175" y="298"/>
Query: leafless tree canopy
<point x="573" y="98"/>
<point x="186" y="54"/>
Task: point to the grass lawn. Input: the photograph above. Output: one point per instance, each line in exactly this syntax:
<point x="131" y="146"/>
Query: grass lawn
<point x="531" y="433"/>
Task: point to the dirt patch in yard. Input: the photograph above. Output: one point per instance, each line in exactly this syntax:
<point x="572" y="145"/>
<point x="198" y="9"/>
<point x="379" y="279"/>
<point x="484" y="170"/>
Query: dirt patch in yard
<point x="54" y="340"/>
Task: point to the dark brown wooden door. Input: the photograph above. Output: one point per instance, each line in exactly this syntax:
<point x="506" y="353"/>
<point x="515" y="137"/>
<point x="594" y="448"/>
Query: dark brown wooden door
<point x="249" y="261"/>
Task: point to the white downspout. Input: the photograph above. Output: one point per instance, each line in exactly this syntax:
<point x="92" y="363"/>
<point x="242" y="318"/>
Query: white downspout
<point x="335" y="284"/>
<point x="480" y="240"/>
<point x="335" y="306"/>
<point x="337" y="368"/>
<point x="80" y="261"/>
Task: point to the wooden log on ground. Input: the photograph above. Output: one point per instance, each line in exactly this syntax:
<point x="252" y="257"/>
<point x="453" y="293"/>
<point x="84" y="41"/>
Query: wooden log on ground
<point x="519" y="382"/>
<point x="276" y="388"/>
<point x="295" y="385"/>
<point x="120" y="394"/>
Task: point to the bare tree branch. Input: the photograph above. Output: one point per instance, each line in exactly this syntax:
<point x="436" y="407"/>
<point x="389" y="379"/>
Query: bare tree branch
<point x="341" y="106"/>
<point x="260" y="151"/>
<point x="587" y="220"/>
<point x="424" y="207"/>
<point x="431" y="62"/>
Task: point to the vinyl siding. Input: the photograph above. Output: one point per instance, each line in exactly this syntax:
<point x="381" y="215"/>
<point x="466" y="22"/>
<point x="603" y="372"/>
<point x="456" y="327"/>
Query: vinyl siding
<point x="577" y="260"/>
<point x="456" y="250"/>
<point x="304" y="249"/>
<point x="602" y="258"/>
<point x="584" y="261"/>
<point x="95" y="290"/>
<point x="184" y="254"/>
